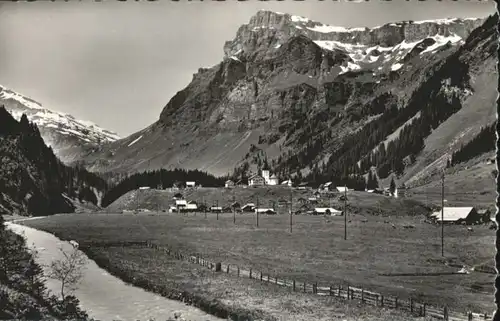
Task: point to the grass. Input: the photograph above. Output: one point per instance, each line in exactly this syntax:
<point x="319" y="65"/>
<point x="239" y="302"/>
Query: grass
<point x="315" y="251"/>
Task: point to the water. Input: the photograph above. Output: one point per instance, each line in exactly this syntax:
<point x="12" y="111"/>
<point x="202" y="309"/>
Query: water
<point x="102" y="295"/>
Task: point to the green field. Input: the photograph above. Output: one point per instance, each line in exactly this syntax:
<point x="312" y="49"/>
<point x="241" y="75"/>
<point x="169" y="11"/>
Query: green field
<point x="316" y="249"/>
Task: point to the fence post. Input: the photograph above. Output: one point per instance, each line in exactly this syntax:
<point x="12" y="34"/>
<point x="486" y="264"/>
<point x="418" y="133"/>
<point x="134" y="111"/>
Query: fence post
<point x="260" y="276"/>
<point x="227" y="268"/>
<point x="382" y="300"/>
<point x="268" y="278"/>
<point x="250" y="272"/>
<point x="469" y="316"/>
<point x="424" y="310"/>
<point x="238" y="270"/>
<point x="331" y="290"/>
<point x="339" y="290"/>
<point x="362" y="295"/>
<point x="396" y="302"/>
<point x="445" y="313"/>
<point x="348" y="292"/>
<point x="293" y="285"/>
<point x="411" y="305"/>
<point x="276" y="279"/>
<point x="304" y="287"/>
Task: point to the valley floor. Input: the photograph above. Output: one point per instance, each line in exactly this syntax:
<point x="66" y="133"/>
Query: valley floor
<point x="315" y="252"/>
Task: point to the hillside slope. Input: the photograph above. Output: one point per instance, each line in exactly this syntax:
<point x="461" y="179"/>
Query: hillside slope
<point x="32" y="180"/>
<point x="303" y="96"/>
<point x="68" y="137"/>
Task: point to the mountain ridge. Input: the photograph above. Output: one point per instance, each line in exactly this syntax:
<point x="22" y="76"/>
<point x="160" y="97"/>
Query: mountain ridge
<point x="272" y="104"/>
<point x="67" y="135"/>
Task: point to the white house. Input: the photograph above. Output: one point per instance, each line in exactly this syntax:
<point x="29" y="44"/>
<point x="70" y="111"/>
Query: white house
<point x="190" y="184"/>
<point x="342" y="189"/>
<point x="191" y="207"/>
<point x="180" y="203"/>
<point x="457" y="215"/>
<point x="265" y="211"/>
<point x="273" y="180"/>
<point x="256" y="180"/>
<point x="229" y="183"/>
<point x="327" y="211"/>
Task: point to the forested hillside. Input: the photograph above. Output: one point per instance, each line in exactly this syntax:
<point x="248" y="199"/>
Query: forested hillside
<point x="160" y="179"/>
<point x="32" y="180"/>
<point x="484" y="142"/>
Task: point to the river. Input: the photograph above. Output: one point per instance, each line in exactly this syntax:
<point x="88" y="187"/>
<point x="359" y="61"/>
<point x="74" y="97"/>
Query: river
<point x="102" y="295"/>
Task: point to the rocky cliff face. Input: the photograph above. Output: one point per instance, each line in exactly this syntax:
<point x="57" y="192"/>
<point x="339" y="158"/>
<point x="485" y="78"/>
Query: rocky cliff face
<point x="296" y="91"/>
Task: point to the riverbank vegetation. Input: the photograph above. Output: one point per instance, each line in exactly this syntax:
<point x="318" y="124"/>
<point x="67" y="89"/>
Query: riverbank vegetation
<point x="23" y="295"/>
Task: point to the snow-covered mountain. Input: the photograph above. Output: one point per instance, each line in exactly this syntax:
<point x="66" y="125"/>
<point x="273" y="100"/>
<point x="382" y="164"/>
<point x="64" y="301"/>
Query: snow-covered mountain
<point x="67" y="136"/>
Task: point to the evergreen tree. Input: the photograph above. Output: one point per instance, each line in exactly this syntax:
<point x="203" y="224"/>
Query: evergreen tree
<point x="392" y="187"/>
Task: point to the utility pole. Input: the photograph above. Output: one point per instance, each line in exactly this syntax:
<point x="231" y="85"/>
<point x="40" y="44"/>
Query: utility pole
<point x="204" y="207"/>
<point x="234" y="209"/>
<point x="345" y="211"/>
<point x="291" y="211"/>
<point x="217" y="207"/>
<point x="442" y="215"/>
<point x="257" y="210"/>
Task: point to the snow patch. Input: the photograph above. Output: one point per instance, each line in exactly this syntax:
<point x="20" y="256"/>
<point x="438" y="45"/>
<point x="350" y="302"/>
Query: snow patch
<point x="299" y="19"/>
<point x="396" y="66"/>
<point x="441" y="41"/>
<point x="277" y="46"/>
<point x="328" y="29"/>
<point x="135" y="141"/>
<point x="235" y="58"/>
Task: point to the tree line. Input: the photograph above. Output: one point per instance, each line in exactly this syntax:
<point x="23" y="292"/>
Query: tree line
<point x="483" y="142"/>
<point x="162" y="178"/>
<point x="33" y="176"/>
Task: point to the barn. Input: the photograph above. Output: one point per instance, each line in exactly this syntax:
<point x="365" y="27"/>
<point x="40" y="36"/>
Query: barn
<point x="457" y="215"/>
<point x="327" y="211"/>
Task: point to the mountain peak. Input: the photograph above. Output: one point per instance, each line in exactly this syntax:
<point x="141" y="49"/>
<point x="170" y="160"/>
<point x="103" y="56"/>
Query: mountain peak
<point x="268" y="30"/>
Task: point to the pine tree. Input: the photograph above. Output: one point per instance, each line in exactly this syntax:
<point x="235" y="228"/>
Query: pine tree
<point x="392" y="187"/>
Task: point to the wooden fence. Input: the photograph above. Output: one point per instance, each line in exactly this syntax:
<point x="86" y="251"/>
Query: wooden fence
<point x="348" y="292"/>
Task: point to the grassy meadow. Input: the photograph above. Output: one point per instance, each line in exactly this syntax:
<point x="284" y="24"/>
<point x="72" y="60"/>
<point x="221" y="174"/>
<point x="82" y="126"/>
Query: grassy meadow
<point x="376" y="247"/>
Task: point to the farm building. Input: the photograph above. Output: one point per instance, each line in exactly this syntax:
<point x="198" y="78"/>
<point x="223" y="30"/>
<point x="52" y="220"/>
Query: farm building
<point x="326" y="187"/>
<point x="457" y="215"/>
<point x="190" y="208"/>
<point x="235" y="205"/>
<point x="265" y="211"/>
<point x="180" y="203"/>
<point x="190" y="184"/>
<point x="216" y="209"/>
<point x="342" y="189"/>
<point x="229" y="183"/>
<point x="400" y="192"/>
<point x="178" y="196"/>
<point x="249" y="207"/>
<point x="256" y="180"/>
<point x="327" y="211"/>
<point x="287" y="183"/>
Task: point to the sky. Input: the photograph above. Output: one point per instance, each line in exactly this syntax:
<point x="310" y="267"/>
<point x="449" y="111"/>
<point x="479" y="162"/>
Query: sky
<point x="118" y="64"/>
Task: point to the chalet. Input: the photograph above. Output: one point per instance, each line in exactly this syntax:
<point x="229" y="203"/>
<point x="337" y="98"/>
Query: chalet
<point x="180" y="203"/>
<point x="327" y="211"/>
<point x="288" y="182"/>
<point x="190" y="207"/>
<point x="326" y="187"/>
<point x="190" y="184"/>
<point x="302" y="186"/>
<point x="229" y="183"/>
<point x="256" y="180"/>
<point x="265" y="211"/>
<point x="342" y="189"/>
<point x="249" y="207"/>
<point x="273" y="180"/>
<point x="457" y="215"/>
